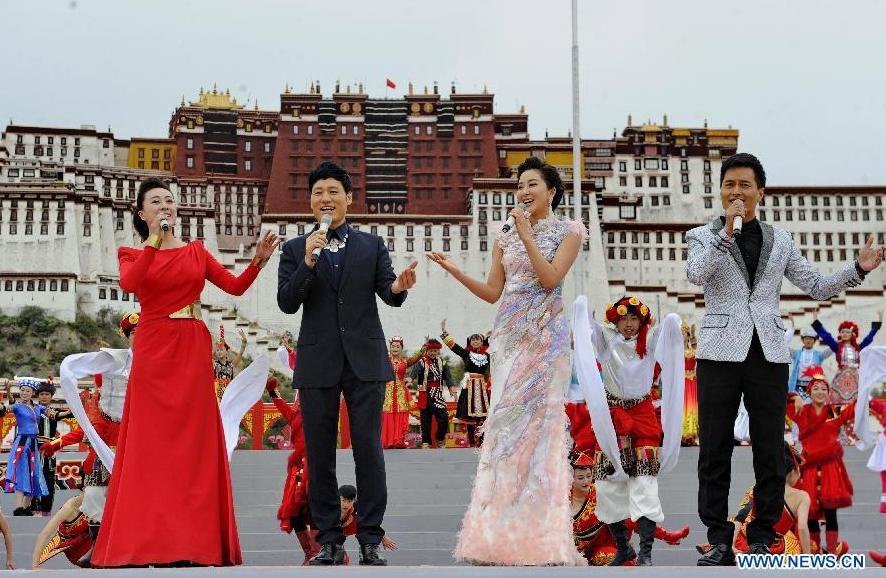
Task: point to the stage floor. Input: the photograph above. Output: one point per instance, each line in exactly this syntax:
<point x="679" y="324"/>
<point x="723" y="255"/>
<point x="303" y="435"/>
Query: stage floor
<point x="428" y="494"/>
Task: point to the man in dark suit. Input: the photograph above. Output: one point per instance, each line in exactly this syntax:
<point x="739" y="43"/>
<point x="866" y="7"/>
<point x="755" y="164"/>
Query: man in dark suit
<point x="341" y="349"/>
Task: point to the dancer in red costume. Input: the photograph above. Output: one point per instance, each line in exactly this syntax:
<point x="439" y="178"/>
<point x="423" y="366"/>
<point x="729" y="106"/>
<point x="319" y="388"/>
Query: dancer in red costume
<point x="395" y="410"/>
<point x="293" y="513"/>
<point x="592" y="537"/>
<point x="824" y="475"/>
<point x="170" y="499"/>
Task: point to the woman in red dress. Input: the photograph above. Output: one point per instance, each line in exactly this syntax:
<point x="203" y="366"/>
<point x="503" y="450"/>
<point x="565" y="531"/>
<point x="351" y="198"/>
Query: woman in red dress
<point x="170" y="499"/>
<point x="824" y="475"/>
<point x="395" y="410"/>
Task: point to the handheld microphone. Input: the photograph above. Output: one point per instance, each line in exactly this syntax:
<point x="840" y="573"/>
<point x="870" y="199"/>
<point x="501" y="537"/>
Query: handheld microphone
<point x="736" y="225"/>
<point x="325" y="221"/>
<point x="164" y="224"/>
<point x="509" y="224"/>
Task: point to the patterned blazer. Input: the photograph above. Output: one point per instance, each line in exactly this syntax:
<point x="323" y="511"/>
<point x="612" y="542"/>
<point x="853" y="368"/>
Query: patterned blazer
<point x="735" y="305"/>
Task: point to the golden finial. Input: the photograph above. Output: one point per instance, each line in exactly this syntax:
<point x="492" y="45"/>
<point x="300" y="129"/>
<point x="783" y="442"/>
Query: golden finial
<point x="183" y="100"/>
<point x="227" y="92"/>
<point x="411" y="90"/>
<point x="361" y="88"/>
<point x="426" y="89"/>
<point x="214" y="88"/>
<point x="485" y="90"/>
<point x="256" y="104"/>
<point x="311" y="90"/>
<point x="201" y="91"/>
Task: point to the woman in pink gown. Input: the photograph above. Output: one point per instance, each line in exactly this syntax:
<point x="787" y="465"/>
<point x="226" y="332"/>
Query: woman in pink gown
<point x="520" y="512"/>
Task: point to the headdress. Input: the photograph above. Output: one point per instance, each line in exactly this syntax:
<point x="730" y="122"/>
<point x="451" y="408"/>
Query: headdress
<point x="580" y="460"/>
<point x="127" y="323"/>
<point x="631" y="304"/>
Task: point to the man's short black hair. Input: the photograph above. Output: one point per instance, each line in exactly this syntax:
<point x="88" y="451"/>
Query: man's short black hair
<point x="330" y="170"/>
<point x="744" y="160"/>
<point x="348" y="492"/>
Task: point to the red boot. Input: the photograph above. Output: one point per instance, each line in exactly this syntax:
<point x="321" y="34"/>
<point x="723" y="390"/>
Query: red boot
<point x="308" y="544"/>
<point x="672" y="538"/>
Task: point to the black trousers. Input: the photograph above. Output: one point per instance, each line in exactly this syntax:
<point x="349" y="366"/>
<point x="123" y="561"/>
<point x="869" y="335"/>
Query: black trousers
<point x="319" y="408"/>
<point x="44" y="503"/>
<point x="442" y="417"/>
<point x="720" y="385"/>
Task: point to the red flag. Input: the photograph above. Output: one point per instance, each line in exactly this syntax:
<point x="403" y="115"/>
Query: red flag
<point x="390" y="83"/>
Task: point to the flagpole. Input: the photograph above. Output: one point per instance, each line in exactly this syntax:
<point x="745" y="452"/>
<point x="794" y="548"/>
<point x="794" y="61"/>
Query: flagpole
<point x="576" y="148"/>
<point x="593" y="260"/>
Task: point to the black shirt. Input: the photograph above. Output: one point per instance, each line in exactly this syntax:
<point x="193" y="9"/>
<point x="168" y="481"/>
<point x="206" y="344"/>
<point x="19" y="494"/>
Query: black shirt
<point x="750" y="243"/>
<point x="337" y="258"/>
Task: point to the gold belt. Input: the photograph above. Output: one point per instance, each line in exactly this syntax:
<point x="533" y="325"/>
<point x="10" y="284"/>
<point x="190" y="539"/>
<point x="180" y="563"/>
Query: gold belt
<point x="191" y="311"/>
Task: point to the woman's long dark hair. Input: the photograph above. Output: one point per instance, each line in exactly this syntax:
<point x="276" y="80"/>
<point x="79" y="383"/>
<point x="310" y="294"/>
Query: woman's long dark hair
<point x="140" y="225"/>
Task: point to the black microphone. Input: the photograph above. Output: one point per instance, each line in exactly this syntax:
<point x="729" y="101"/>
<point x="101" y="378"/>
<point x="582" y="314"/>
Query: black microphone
<point x="325" y="221"/>
<point x="736" y="225"/>
<point x="164" y="224"/>
<point x="509" y="224"/>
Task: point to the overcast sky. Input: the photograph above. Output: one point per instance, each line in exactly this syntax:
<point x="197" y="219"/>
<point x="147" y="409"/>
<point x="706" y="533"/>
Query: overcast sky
<point x="803" y="80"/>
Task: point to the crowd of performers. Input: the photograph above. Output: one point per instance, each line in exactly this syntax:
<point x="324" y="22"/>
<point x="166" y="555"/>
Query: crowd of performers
<point x="645" y="375"/>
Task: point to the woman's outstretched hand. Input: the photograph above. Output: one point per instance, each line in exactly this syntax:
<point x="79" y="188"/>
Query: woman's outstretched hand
<point x="440" y="259"/>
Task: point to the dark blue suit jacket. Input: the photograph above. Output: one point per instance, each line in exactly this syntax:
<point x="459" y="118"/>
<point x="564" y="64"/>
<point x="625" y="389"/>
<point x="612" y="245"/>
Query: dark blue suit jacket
<point x="339" y="324"/>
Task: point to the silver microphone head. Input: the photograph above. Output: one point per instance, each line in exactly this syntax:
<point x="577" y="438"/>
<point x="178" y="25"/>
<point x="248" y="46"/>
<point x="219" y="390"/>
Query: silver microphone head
<point x="325" y="221"/>
<point x="164" y="224"/>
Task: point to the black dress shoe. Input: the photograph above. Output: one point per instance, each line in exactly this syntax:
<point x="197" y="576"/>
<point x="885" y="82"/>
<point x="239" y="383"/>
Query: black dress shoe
<point x="329" y="555"/>
<point x="369" y="555"/>
<point x="718" y="555"/>
<point x="758" y="548"/>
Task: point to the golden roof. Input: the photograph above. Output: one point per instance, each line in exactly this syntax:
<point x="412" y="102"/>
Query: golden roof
<point x="217" y="100"/>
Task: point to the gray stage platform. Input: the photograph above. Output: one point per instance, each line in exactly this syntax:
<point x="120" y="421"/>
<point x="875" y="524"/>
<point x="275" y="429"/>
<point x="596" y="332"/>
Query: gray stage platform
<point x="429" y="492"/>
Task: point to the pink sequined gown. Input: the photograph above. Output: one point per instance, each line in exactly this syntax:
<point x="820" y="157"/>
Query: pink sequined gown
<point x="519" y="513"/>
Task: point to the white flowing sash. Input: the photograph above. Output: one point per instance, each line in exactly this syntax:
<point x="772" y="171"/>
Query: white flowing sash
<point x="669" y="355"/>
<point x="80" y="366"/>
<point x="241" y="394"/>
<point x="872" y="371"/>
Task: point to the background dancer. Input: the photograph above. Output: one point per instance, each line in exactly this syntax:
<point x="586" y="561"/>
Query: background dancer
<point x="334" y="277"/>
<point x="172" y="416"/>
<point x="473" y="399"/>
<point x="398" y="400"/>
<point x="806" y="356"/>
<point x="24" y="476"/>
<point x="524" y="472"/>
<point x="823" y="474"/>
<point x="431" y="374"/>
<point x="844" y="389"/>
<point x="294" y="513"/>
<point x="741" y="346"/>
<point x="47" y="428"/>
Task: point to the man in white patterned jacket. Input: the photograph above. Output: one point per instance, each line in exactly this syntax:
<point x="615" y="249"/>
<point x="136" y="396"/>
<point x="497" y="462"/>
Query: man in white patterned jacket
<point x="741" y="348"/>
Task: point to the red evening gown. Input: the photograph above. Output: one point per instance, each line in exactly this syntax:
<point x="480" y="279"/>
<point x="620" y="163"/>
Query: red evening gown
<point x="170" y="496"/>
